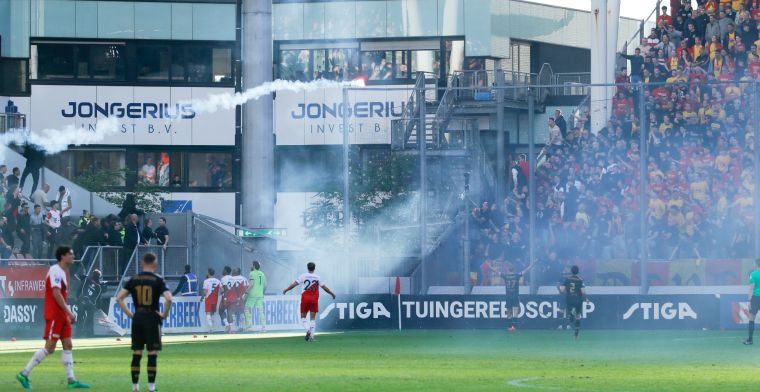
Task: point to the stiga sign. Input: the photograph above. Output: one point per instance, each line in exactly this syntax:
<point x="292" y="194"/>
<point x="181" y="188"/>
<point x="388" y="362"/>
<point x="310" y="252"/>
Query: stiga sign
<point x="534" y="312"/>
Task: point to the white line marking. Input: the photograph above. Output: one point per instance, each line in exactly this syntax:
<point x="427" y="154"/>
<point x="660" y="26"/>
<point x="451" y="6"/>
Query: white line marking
<point x="521" y="383"/>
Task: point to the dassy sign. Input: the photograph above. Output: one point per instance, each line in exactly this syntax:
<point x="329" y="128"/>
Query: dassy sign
<point x="537" y="312"/>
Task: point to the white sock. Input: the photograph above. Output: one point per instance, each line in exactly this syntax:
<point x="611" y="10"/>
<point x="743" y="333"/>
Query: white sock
<point x="312" y="326"/>
<point x="210" y="321"/>
<point x="135" y="387"/>
<point x="67" y="357"/>
<point x="38" y="356"/>
<point x="305" y="324"/>
<point x="151" y="386"/>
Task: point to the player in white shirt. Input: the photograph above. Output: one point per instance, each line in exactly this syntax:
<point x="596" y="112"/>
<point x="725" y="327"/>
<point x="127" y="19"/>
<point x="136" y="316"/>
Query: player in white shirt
<point x="311" y="283"/>
<point x="227" y="292"/>
<point x="210" y="296"/>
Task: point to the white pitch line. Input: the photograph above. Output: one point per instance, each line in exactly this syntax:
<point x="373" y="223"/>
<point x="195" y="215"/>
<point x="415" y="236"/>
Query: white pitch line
<point x="521" y="383"/>
<point x="31" y="345"/>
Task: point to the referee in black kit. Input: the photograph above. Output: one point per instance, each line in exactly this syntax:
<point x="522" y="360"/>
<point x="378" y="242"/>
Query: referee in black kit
<point x="146" y="290"/>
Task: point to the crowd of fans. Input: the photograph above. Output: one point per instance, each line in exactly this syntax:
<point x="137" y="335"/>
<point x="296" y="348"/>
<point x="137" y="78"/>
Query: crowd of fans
<point x="33" y="227"/>
<point x="698" y="68"/>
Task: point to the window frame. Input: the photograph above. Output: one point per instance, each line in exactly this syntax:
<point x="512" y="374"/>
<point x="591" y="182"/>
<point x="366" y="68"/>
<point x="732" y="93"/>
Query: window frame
<point x="280" y="46"/>
<point x="131" y="160"/>
<point x="131" y="62"/>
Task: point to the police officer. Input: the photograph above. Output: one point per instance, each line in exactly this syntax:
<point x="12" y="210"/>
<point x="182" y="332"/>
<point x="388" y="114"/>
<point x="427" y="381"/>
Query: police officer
<point x="188" y="284"/>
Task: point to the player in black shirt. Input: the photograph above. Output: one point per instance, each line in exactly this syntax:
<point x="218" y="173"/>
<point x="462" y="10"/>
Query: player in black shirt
<point x="512" y="286"/>
<point x="146" y="289"/>
<point x="88" y="301"/>
<point x="575" y="291"/>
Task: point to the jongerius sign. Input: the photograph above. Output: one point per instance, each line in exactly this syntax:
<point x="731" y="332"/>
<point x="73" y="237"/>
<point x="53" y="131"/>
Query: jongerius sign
<point x="146" y="115"/>
<point x="316" y="117"/>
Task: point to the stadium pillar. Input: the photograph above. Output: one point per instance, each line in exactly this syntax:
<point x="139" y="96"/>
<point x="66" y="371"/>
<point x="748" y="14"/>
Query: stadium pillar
<point x="756" y="197"/>
<point x="532" y="193"/>
<point x="422" y="144"/>
<point x="257" y="170"/>
<point x="501" y="169"/>
<point x="611" y="53"/>
<point x="598" y="103"/>
<point x="643" y="199"/>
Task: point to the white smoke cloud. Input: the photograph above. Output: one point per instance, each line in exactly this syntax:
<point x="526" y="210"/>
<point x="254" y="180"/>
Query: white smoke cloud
<point x="53" y="141"/>
<point x="228" y="101"/>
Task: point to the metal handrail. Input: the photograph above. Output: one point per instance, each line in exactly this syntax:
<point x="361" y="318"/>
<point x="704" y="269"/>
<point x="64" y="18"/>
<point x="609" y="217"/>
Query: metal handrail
<point x="10" y="121"/>
<point x="640" y="31"/>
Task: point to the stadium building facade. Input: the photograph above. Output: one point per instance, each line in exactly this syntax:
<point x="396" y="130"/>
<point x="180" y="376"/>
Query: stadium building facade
<point x="73" y="63"/>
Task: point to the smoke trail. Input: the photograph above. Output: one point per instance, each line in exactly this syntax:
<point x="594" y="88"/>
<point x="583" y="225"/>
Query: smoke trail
<point x="53" y="141"/>
<point x="229" y="101"/>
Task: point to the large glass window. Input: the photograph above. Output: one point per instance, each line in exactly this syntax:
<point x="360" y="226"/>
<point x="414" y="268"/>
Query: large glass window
<point x="206" y="64"/>
<point x="294" y="65"/>
<point x="163" y="169"/>
<point x="76" y="163"/>
<point x="106" y="62"/>
<point x="153" y="63"/>
<point x="13" y="73"/>
<point x="175" y="63"/>
<point x="377" y="65"/>
<point x="342" y="64"/>
<point x="52" y="61"/>
<point x="212" y="170"/>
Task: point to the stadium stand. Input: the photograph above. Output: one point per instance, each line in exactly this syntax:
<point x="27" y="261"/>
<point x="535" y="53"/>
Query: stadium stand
<point x="697" y="67"/>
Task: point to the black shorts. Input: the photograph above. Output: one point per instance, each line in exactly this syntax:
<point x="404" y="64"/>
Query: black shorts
<point x="574" y="308"/>
<point x="754" y="304"/>
<point x="513" y="300"/>
<point x="146" y="332"/>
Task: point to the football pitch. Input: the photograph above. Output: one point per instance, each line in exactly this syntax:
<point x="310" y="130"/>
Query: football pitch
<point x="423" y="360"/>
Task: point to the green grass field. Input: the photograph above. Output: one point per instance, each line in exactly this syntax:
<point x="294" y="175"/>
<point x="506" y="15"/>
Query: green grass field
<point x="421" y="360"/>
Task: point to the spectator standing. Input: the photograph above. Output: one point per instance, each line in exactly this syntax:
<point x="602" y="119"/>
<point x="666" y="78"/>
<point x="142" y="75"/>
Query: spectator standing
<point x="712" y="29"/>
<point x="53" y="223"/>
<point x="147" y="232"/>
<point x="637" y="64"/>
<point x="64" y="203"/>
<point x="559" y="120"/>
<point x="554" y="136"/>
<point x="35" y="160"/>
<point x="93" y="234"/>
<point x="162" y="233"/>
<point x="3" y="170"/>
<point x="39" y="197"/>
<point x="13" y="179"/>
<point x="130" y="240"/>
<point x="24" y="230"/>
<point x="5" y="249"/>
<point x="37" y="219"/>
<point x="723" y="21"/>
<point x="129" y="207"/>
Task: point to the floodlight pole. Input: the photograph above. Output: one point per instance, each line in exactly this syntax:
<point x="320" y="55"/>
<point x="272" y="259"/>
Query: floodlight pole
<point x="643" y="197"/>
<point x="756" y="198"/>
<point x="532" y="192"/>
<point x="501" y="168"/>
<point x="422" y="144"/>
<point x="346" y="183"/>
